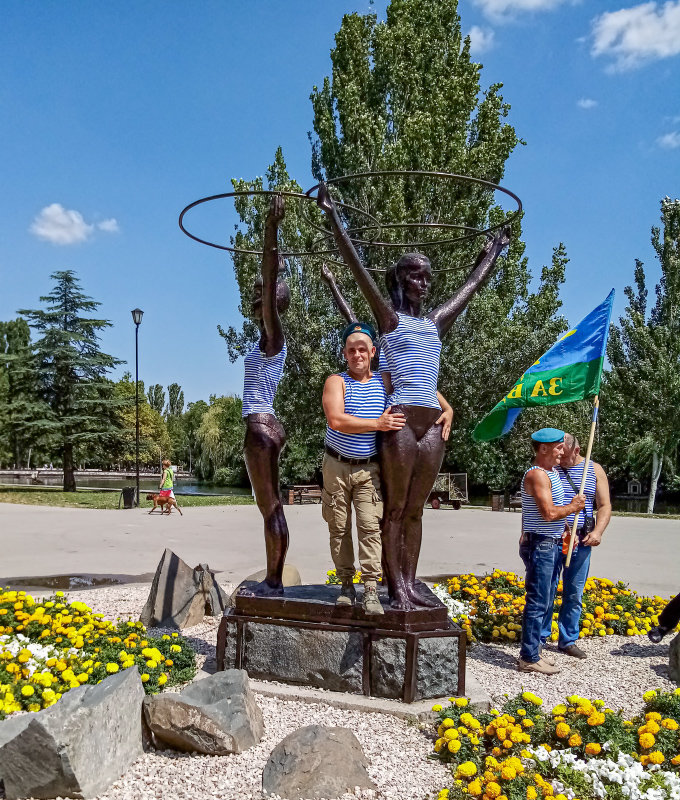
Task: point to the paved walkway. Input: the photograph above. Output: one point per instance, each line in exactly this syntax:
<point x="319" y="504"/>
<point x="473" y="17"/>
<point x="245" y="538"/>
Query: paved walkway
<point x="40" y="541"/>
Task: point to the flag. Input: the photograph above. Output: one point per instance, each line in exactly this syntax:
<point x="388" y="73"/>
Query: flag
<point x="571" y="370"/>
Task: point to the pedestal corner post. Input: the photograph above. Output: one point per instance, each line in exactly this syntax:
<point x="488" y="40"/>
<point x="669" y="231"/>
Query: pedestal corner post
<point x="462" y="666"/>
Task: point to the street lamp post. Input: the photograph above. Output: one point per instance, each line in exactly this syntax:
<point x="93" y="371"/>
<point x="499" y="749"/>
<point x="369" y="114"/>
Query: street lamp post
<point x="137" y="315"/>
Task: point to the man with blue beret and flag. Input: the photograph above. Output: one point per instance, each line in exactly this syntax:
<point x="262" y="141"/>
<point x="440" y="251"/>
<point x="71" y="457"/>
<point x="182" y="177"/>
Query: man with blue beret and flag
<point x="544" y="512"/>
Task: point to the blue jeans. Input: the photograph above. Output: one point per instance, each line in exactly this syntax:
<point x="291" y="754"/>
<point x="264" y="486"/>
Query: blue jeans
<point x="574" y="579"/>
<point x="542" y="556"/>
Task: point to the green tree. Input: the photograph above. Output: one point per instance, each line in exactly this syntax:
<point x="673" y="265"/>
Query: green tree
<point x="78" y="402"/>
<point x="175" y="400"/>
<point x="154" y="441"/>
<point x="404" y="94"/>
<point x="156" y="397"/>
<point x="220" y="439"/>
<point x="641" y="391"/>
<point x="191" y="420"/>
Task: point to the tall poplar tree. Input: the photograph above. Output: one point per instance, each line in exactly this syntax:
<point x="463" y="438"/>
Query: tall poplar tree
<point x="404" y="94"/>
<point x="641" y="418"/>
<point x="78" y="402"/>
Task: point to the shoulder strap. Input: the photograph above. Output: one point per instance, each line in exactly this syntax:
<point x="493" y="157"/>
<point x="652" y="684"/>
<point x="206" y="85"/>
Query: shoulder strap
<point x="568" y="477"/>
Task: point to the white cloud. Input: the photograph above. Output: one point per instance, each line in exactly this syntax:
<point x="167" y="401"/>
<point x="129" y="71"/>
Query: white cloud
<point x="633" y="36"/>
<point x="481" y="39"/>
<point x="498" y="9"/>
<point x="109" y="225"/>
<point x="669" y="141"/>
<point x="63" y="226"/>
<point x="587" y="103"/>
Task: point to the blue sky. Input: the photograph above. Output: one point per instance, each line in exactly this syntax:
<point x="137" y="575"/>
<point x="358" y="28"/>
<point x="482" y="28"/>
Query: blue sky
<point x="115" y="116"/>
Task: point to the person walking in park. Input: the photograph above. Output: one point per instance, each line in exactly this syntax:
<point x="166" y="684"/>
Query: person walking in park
<point x="165" y="487"/>
<point x="355" y="409"/>
<point x="543" y="514"/>
<point x="589" y="535"/>
<point x="265" y="435"/>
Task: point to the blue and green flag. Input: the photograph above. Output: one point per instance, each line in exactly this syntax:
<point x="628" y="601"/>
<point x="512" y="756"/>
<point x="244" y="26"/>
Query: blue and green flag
<point x="571" y="370"/>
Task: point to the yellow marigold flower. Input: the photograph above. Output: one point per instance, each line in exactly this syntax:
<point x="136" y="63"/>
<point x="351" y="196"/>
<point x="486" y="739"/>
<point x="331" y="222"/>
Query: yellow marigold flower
<point x="647" y="740"/>
<point x="151" y="664"/>
<point x="669" y="724"/>
<point x="450" y="733"/>
<point x="437" y="745"/>
<point x="443" y="794"/>
<point x="562" y="730"/>
<point x="475" y="787"/>
<point x="596" y="718"/>
<point x="532" y="794"/>
<point x="454" y="745"/>
<point x="461" y="702"/>
<point x="448" y="723"/>
<point x="435" y="707"/>
<point x="657" y="757"/>
<point x="163" y="679"/>
<point x="527" y="723"/>
<point x="507" y="744"/>
<point x="492" y="789"/>
<point x="27" y="691"/>
<point x="652" y="727"/>
<point x="560" y="797"/>
<point x="559" y="710"/>
<point x="593" y="749"/>
<point x="508" y="773"/>
<point x="466" y="770"/>
<point x="648" y="696"/>
<point x="675" y="761"/>
<point x="575" y="740"/>
<point x="653" y="715"/>
<point x="144" y="677"/>
<point x="111" y="667"/>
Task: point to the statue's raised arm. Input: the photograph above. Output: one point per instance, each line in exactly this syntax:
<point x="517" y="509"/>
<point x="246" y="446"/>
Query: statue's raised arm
<point x="446" y="314"/>
<point x="382" y="311"/>
<point x="274" y="338"/>
<point x="343" y="306"/>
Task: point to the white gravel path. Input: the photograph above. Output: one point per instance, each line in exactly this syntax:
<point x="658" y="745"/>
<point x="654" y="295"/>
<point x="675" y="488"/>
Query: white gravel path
<point x="618" y="670"/>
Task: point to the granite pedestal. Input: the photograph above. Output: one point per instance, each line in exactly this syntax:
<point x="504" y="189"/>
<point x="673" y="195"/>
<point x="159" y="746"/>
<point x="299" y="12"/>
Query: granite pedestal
<point x="304" y="638"/>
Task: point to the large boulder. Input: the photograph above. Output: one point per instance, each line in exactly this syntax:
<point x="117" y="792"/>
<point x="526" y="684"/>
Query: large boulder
<point x="216" y="716"/>
<point x="674" y="660"/>
<point x="316" y="762"/>
<point x="181" y="596"/>
<point x="77" y="747"/>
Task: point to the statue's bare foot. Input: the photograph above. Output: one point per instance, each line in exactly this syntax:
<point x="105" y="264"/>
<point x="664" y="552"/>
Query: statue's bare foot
<point x="267" y="589"/>
<point x="421" y="598"/>
<point x="400" y="600"/>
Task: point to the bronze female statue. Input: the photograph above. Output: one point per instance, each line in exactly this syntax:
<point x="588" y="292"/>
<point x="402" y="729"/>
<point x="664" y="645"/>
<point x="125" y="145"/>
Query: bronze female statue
<point x="411" y="345"/>
<point x="265" y="435"/>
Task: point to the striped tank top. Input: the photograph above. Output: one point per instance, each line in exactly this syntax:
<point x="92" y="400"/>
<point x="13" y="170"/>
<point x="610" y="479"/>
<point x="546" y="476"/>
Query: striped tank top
<point x="576" y="473"/>
<point x="411" y="353"/>
<point x="262" y="376"/>
<point x="363" y="400"/>
<point x="532" y="521"/>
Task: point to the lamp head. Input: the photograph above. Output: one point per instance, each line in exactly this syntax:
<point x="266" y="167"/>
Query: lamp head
<point x="137" y="315"/>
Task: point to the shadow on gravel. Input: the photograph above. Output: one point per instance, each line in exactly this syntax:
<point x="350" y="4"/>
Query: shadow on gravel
<point x="635" y="650"/>
<point x="491" y="654"/>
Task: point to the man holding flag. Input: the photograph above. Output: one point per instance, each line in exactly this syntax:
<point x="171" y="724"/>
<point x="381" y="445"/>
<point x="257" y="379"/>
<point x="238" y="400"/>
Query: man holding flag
<point x="571" y="370"/>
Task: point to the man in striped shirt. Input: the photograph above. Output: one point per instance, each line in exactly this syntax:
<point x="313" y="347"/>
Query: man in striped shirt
<point x="354" y="405"/>
<point x="543" y="513"/>
<point x="589" y="531"/>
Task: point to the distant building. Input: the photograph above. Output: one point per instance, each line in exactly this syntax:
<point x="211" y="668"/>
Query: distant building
<point x="634" y="487"/>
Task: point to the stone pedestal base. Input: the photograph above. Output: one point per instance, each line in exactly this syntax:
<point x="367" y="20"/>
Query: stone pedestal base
<point x="304" y="638"/>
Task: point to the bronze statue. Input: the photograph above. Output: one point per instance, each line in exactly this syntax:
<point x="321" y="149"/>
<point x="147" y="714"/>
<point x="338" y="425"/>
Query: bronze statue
<point x="411" y="344"/>
<point x="265" y="435"/>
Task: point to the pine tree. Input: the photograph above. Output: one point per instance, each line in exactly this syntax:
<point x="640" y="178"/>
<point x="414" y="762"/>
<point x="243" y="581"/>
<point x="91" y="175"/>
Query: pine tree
<point x="78" y="401"/>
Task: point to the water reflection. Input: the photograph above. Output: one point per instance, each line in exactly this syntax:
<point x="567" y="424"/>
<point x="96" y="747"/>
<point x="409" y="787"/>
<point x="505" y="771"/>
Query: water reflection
<point x="147" y="483"/>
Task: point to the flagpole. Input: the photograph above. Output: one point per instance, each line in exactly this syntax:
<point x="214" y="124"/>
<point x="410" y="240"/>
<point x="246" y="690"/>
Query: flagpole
<point x="593" y="424"/>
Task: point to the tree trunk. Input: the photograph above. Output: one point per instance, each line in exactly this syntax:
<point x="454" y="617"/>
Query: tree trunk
<point x="69" y="477"/>
<point x="657" y="461"/>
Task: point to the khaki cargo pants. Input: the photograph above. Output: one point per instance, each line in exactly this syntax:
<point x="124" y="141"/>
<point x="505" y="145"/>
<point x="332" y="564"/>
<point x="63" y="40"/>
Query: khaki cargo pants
<point x="344" y="485"/>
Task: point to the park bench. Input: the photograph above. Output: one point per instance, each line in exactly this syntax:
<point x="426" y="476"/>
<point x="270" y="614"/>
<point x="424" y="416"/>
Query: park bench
<point x="515" y="501"/>
<point x="304" y="494"/>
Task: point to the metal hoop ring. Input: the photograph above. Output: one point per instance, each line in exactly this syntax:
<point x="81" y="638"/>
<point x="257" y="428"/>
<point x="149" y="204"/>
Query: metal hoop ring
<point x="261" y="192"/>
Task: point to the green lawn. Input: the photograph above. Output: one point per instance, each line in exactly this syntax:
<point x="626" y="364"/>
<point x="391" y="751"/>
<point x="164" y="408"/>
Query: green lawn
<point x="26" y="495"/>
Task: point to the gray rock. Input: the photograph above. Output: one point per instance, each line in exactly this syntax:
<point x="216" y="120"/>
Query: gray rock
<point x="437" y="667"/>
<point x="326" y="659"/>
<point x="215" y="716"/>
<point x="388" y="667"/>
<point x="290" y="577"/>
<point x="79" y="746"/>
<point x="181" y="596"/>
<point x="674" y="660"/>
<point x="316" y="762"/>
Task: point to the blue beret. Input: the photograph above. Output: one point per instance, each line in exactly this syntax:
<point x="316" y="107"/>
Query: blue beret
<point x="548" y="435"/>
<point x="358" y="327"/>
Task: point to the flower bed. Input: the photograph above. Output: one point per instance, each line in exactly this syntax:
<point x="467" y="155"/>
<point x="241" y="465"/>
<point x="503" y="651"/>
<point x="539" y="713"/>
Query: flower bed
<point x="51" y="646"/>
<point x="580" y="749"/>
<point x="490" y="607"/>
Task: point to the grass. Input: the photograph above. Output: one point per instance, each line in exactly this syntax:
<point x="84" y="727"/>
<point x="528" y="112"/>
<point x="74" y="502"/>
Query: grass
<point x="26" y="495"/>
